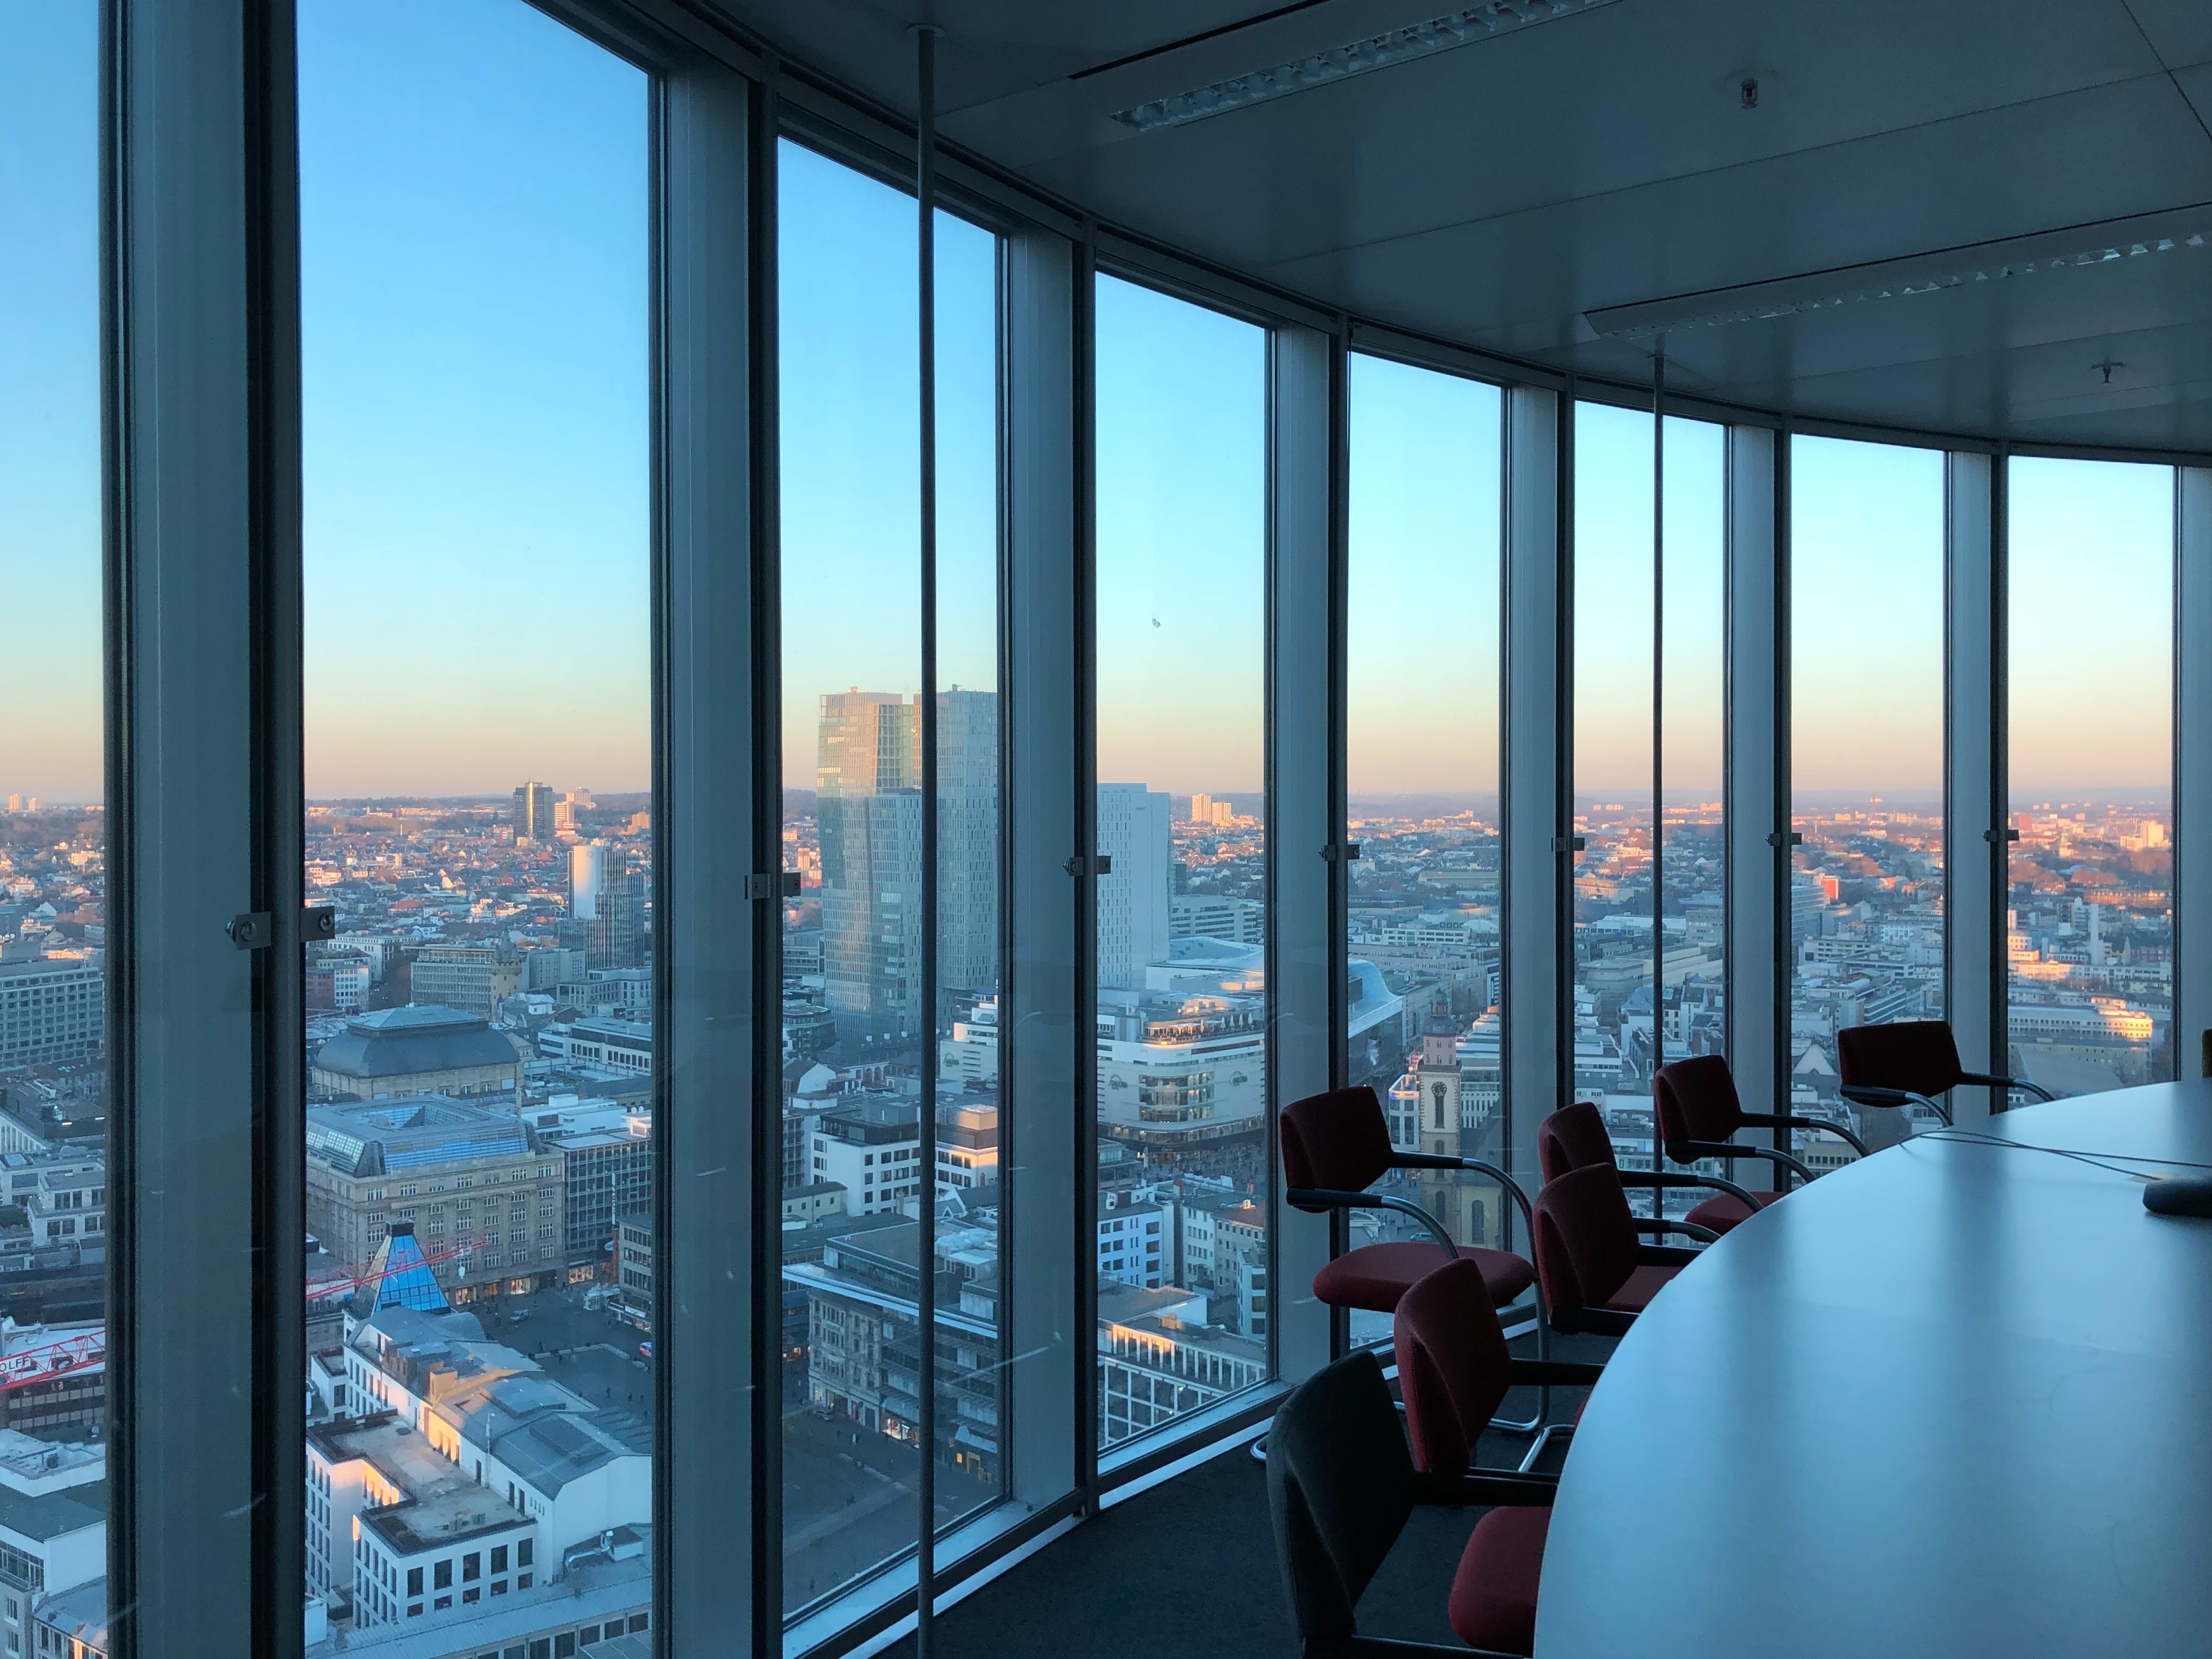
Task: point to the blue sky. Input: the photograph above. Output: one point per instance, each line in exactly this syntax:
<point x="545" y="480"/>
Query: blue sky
<point x="475" y="328"/>
<point x="474" y="231"/>
<point x="50" y="550"/>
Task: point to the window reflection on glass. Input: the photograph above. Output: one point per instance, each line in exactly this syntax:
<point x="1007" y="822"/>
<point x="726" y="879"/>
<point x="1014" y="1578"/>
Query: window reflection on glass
<point x="1181" y="1249"/>
<point x="858" y="1037"/>
<point x="53" y="842"/>
<point x="1867" y="688"/>
<point x="1422" y="710"/>
<point x="476" y="335"/>
<point x="2089" y="919"/>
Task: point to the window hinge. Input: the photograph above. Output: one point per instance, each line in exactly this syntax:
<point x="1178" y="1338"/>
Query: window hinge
<point x="1569" y="844"/>
<point x="1343" y="852"/>
<point x="1100" y="864"/>
<point x="1778" y="839"/>
<point x="1993" y="836"/>
<point x="318" y="921"/>
<point x="776" y="883"/>
<point x="251" y="930"/>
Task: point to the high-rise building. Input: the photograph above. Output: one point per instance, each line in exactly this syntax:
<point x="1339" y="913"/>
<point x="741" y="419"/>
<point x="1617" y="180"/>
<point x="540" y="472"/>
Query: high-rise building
<point x="967" y="850"/>
<point x="606" y="906"/>
<point x="533" y="812"/>
<point x="868" y="814"/>
<point x="1133" y="894"/>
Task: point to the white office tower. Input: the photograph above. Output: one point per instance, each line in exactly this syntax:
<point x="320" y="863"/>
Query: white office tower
<point x="1133" y="896"/>
<point x="588" y="879"/>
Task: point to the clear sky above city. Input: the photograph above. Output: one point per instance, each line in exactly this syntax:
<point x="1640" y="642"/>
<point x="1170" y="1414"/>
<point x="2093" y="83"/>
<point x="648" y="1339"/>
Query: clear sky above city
<point x="474" y="260"/>
<point x="474" y="186"/>
<point x="49" y="548"/>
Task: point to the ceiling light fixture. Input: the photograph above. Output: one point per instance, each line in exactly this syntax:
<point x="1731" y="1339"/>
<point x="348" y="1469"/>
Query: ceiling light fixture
<point x="1456" y="28"/>
<point x="1921" y="273"/>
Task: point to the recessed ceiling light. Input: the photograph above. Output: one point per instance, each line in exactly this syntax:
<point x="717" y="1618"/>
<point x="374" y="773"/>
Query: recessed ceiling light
<point x="1456" y="28"/>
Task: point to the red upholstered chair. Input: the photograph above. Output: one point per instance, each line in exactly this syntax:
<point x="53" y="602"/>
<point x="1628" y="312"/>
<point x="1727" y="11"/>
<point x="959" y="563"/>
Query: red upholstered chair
<point x="1596" y="1274"/>
<point x="1340" y="1489"/>
<point x="1575" y="1137"/>
<point x="1698" y="1115"/>
<point x="1454" y="1369"/>
<point x="1912" y="1063"/>
<point x="1337" y="1145"/>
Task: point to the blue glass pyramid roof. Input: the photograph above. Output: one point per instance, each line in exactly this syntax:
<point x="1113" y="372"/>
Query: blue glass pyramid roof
<point x="399" y="1276"/>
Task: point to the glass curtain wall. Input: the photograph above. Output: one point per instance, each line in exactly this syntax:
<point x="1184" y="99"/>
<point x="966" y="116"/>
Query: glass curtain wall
<point x="1180" y="604"/>
<point x="475" y="328"/>
<point x="1634" y="605"/>
<point x="860" y="1040"/>
<point x="1424" y="660"/>
<point x="2089" y="939"/>
<point x="54" y="877"/>
<point x="1865" y="915"/>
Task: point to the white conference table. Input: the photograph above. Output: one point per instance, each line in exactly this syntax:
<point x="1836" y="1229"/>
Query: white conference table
<point x="1951" y="1400"/>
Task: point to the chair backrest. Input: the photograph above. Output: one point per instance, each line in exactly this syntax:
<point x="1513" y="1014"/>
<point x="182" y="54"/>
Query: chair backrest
<point x="1573" y="1138"/>
<point x="1340" y="1140"/>
<point x="1918" y="1055"/>
<point x="1697" y="1101"/>
<point x="1453" y="1365"/>
<point x="1586" y="1243"/>
<point x="1340" y="1487"/>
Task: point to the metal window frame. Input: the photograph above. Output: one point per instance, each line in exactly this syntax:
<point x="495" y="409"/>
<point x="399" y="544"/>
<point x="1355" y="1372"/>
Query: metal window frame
<point x="1757" y="825"/>
<point x="200" y="352"/>
<point x="1974" y="818"/>
<point x="2193" y="769"/>
<point x="1304" y="875"/>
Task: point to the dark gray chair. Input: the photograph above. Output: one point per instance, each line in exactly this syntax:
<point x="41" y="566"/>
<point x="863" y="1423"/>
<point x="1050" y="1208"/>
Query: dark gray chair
<point x="1340" y="1484"/>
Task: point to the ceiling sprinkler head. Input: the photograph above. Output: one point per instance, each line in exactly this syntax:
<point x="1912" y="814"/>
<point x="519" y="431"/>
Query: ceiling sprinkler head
<point x="1746" y="94"/>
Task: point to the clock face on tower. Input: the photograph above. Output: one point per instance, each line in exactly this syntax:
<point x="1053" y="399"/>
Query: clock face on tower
<point x="1436" y="1093"/>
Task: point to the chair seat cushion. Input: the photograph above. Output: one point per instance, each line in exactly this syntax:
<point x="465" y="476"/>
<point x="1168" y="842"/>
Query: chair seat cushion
<point x="1642" y="1285"/>
<point x="1375" y="1276"/>
<point x="1725" y="1210"/>
<point x="1493" y="1594"/>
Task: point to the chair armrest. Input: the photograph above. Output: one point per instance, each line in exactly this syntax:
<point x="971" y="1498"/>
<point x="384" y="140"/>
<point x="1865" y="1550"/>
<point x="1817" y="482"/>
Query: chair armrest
<point x="1788" y="1121"/>
<point x="1664" y="1255"/>
<point x="1558" y="1373"/>
<point x="1988" y="1081"/>
<point x="1661" y="1225"/>
<point x="1689" y="1151"/>
<point x="1385" y="1647"/>
<point x="1422" y="1161"/>
<point x="1330" y="1197"/>
<point x="1483" y="1486"/>
<point x="1866" y="1094"/>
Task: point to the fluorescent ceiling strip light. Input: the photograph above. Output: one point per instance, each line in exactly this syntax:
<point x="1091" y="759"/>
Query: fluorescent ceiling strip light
<point x="1456" y="28"/>
<point x="2071" y="249"/>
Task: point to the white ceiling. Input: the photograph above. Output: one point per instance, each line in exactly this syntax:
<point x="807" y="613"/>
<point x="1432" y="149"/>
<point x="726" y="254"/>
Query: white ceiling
<point x="1498" y="192"/>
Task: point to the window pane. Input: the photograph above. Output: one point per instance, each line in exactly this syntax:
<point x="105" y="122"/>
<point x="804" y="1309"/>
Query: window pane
<point x="1182" y="1080"/>
<point x="1622" y="594"/>
<point x="1422" y="775"/>
<point x="2090" y="945"/>
<point x="857" y="1034"/>
<point x="1866" y="688"/>
<point x="1613" y="781"/>
<point x="475" y="329"/>
<point x="53" y="943"/>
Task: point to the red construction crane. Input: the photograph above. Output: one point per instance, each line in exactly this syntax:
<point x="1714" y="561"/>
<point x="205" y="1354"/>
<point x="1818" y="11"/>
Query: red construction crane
<point x="86" y="1351"/>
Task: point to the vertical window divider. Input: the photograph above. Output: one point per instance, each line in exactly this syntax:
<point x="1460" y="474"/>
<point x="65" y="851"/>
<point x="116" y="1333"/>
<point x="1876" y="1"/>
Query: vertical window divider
<point x="1658" y="743"/>
<point x="1779" y="945"/>
<point x="2192" y="757"/>
<point x="1083" y="865"/>
<point x="764" y="507"/>
<point x="925" y="35"/>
